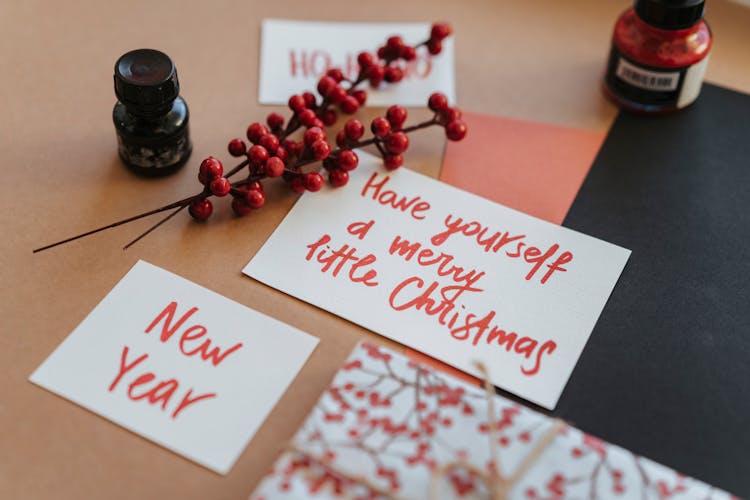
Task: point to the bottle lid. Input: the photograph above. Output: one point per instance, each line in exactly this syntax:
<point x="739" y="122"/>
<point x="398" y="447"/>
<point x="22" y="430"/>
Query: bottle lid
<point x="146" y="81"/>
<point x="670" y="14"/>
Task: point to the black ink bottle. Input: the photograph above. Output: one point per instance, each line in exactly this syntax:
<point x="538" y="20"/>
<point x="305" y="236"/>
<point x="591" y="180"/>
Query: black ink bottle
<point x="150" y="117"/>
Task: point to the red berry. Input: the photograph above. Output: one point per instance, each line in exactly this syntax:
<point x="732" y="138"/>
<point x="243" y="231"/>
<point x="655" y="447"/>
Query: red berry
<point x="320" y="149"/>
<point x="392" y="162"/>
<point x="365" y="60"/>
<point x="201" y="209"/>
<point x="394" y="42"/>
<point x="397" y="142"/>
<point x="255" y="131"/>
<point x="237" y="147"/>
<point x="408" y="53"/>
<point x="310" y="100"/>
<point x="270" y="142"/>
<point x="341" y="139"/>
<point x="338" y="177"/>
<point x="375" y="74"/>
<point x="297" y="184"/>
<point x="318" y="123"/>
<point x="449" y="115"/>
<point x="440" y="31"/>
<point x="210" y="169"/>
<point x="256" y="185"/>
<point x="337" y="94"/>
<point x="240" y="207"/>
<point x="282" y="154"/>
<point x="393" y="74"/>
<point x="329" y="117"/>
<point x="396" y="115"/>
<point x="380" y="127"/>
<point x="275" y="121"/>
<point x="455" y="130"/>
<point x="307" y="117"/>
<point x="354" y="129"/>
<point x="255" y="198"/>
<point x="347" y="160"/>
<point x="325" y="84"/>
<point x="336" y="74"/>
<point x="435" y="47"/>
<point x="257" y="155"/>
<point x="274" y="167"/>
<point x="313" y="135"/>
<point x="361" y="96"/>
<point x="297" y="103"/>
<point x="220" y="186"/>
<point x="383" y="52"/>
<point x="313" y="181"/>
<point x="294" y="148"/>
<point x="349" y="105"/>
<point x="438" y="102"/>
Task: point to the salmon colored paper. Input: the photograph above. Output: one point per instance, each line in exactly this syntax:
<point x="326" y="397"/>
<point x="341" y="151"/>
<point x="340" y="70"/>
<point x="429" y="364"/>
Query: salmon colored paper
<point x="533" y="167"/>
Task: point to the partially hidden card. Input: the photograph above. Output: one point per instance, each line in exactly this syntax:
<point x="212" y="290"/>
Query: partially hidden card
<point x="178" y="364"/>
<point x="448" y="273"/>
<point x="295" y="54"/>
<point x="387" y="427"/>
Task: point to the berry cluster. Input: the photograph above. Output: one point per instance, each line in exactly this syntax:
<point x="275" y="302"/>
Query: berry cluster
<point x="273" y="152"/>
<point x="280" y="148"/>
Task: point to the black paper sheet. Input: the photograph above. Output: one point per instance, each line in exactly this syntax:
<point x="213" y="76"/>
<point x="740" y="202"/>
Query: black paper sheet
<point x="666" y="372"/>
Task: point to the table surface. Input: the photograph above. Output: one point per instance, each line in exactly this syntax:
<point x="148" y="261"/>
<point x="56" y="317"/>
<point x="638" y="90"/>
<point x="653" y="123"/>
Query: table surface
<point x="535" y="60"/>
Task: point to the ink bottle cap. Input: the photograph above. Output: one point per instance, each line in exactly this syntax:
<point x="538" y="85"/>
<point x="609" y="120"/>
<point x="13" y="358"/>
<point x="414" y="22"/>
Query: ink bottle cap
<point x="658" y="56"/>
<point x="150" y="117"/>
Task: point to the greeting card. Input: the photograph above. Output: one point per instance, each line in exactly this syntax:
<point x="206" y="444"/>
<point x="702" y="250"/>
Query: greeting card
<point x="388" y="427"/>
<point x="448" y="273"/>
<point x="178" y="364"/>
<point x="295" y="54"/>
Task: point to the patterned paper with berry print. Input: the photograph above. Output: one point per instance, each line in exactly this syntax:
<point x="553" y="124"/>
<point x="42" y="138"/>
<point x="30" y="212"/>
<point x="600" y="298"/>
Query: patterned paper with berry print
<point x="386" y="423"/>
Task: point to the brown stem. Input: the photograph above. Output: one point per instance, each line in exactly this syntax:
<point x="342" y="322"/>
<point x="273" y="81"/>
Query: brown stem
<point x="181" y="203"/>
<point x="165" y="219"/>
<point x="237" y="168"/>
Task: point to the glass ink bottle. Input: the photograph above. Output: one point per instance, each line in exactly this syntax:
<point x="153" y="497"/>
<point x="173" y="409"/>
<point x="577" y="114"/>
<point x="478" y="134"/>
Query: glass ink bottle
<point x="659" y="55"/>
<point x="150" y="117"/>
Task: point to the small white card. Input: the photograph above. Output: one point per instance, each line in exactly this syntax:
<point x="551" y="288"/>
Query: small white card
<point x="178" y="364"/>
<point x="446" y="272"/>
<point x="295" y="54"/>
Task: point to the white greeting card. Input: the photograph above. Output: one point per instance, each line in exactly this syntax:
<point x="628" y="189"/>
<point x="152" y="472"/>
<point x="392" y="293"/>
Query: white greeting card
<point x="295" y="54"/>
<point x="178" y="364"/>
<point x="446" y="272"/>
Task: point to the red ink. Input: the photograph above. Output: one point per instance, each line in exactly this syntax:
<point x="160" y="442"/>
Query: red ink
<point x="338" y="259"/>
<point x="187" y="401"/>
<point x="160" y="394"/>
<point x="414" y="206"/>
<point x="426" y="258"/>
<point x="360" y="229"/>
<point x="142" y="379"/>
<point x="312" y="65"/>
<point x="547" y="348"/>
<point x="124" y="367"/>
<point x="495" y="241"/>
<point x="207" y="353"/>
<point x="412" y="294"/>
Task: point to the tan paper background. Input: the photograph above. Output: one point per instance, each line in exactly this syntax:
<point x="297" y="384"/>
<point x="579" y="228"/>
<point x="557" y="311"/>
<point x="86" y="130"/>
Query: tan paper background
<point x="536" y="60"/>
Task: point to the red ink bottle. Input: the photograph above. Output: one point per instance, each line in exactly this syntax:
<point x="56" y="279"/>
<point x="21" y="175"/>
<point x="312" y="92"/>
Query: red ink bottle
<point x="659" y="55"/>
<point x="150" y="117"/>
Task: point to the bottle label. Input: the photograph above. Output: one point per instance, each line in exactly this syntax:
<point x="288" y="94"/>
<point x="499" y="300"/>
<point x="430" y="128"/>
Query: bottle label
<point x="650" y="86"/>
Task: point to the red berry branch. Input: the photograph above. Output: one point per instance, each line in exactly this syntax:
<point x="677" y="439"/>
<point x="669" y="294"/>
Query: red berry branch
<point x="274" y="152"/>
